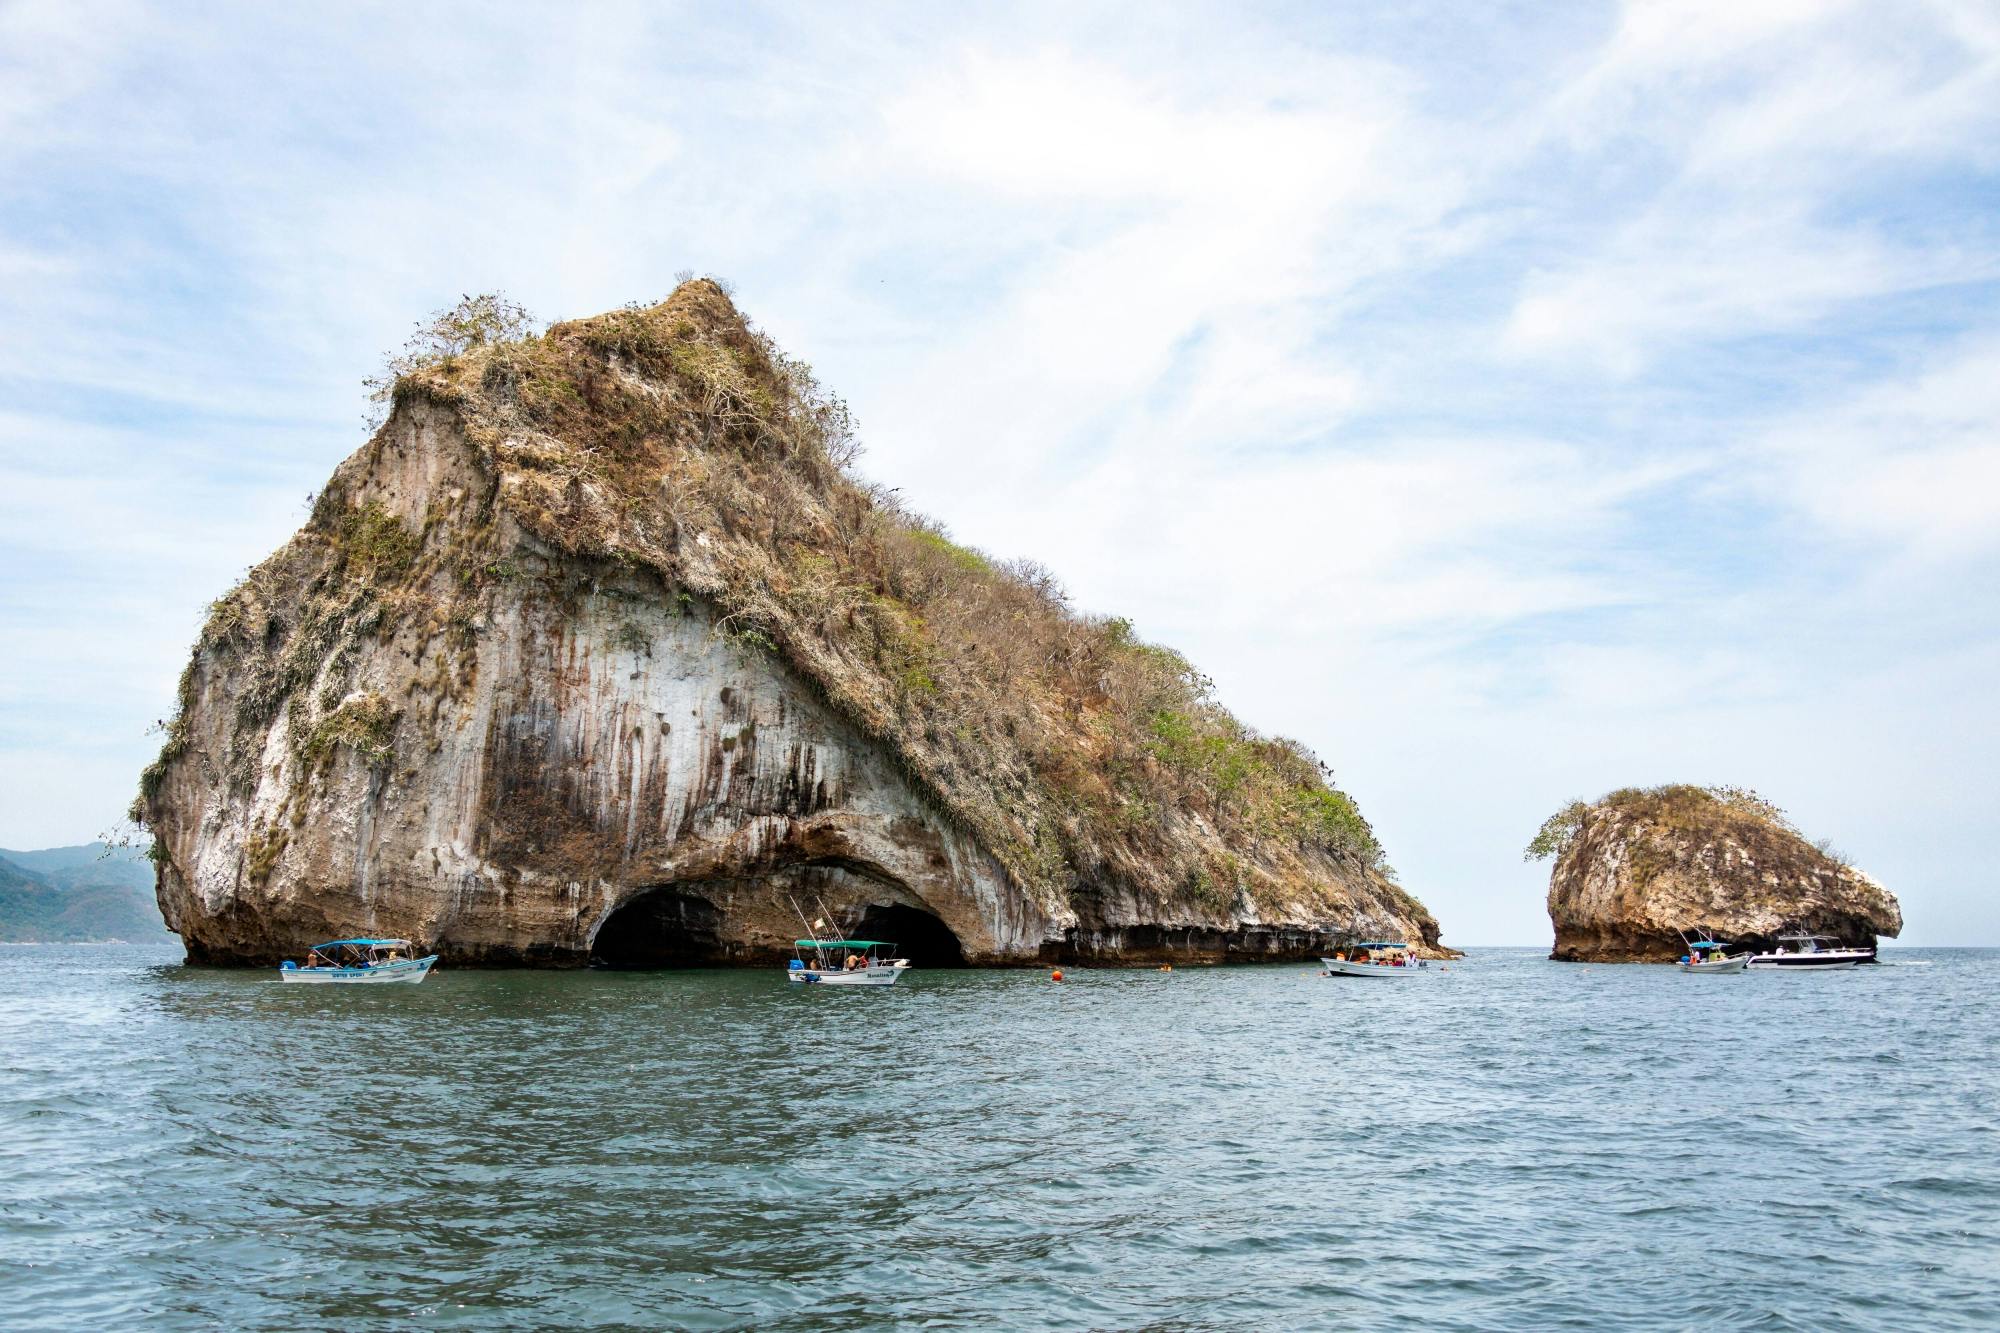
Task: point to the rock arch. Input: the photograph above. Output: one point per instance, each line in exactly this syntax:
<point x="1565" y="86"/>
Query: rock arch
<point x="920" y="935"/>
<point x="660" y="927"/>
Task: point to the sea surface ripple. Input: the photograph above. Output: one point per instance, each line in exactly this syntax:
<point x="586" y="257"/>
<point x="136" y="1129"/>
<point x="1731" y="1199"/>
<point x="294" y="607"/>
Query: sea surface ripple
<point x="1513" y="1143"/>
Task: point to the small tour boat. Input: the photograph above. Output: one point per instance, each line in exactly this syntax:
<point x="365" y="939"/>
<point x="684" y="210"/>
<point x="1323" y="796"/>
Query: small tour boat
<point x="845" y="963"/>
<point x="1811" y="954"/>
<point x="1376" y="958"/>
<point x="1706" y="955"/>
<point x="360" y="962"/>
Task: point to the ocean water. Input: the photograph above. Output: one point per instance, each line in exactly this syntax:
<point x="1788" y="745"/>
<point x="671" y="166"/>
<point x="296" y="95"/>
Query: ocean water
<point x="1512" y="1143"/>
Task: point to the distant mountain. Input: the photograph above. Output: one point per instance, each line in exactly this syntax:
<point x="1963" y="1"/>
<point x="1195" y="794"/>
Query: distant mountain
<point x="75" y="894"/>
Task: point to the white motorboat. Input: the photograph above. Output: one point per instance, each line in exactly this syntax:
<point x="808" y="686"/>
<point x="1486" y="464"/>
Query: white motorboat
<point x="1811" y="953"/>
<point x="1376" y="958"/>
<point x="364" y="962"/>
<point x="1706" y="955"/>
<point x="845" y="963"/>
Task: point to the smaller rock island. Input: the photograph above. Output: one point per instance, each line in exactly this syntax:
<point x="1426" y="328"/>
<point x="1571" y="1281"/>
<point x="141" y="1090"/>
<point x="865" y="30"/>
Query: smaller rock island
<point x="1641" y="864"/>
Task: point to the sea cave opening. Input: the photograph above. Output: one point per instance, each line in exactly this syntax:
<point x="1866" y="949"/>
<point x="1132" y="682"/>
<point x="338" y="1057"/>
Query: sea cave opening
<point x="660" y="928"/>
<point x="918" y="935"/>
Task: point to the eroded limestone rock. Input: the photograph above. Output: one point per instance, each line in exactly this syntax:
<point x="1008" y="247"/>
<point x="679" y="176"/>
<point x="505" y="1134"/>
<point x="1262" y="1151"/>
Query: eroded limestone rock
<point x="1639" y="866"/>
<point x="532" y="698"/>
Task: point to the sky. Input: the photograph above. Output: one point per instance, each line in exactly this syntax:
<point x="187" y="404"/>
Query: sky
<point x="1511" y="401"/>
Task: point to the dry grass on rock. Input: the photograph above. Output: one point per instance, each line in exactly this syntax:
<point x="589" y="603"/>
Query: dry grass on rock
<point x="677" y="439"/>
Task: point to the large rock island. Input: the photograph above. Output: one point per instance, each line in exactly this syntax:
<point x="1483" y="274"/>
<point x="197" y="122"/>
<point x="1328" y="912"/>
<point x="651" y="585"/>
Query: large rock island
<point x="597" y="652"/>
<point x="1642" y="864"/>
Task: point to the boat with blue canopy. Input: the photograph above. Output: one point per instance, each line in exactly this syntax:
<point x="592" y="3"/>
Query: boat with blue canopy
<point x="1376" y="958"/>
<point x="1705" y="954"/>
<point x="845" y="963"/>
<point x="359" y="962"/>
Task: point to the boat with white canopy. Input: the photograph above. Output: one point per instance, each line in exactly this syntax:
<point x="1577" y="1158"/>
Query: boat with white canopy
<point x="1810" y="953"/>
<point x="1376" y="958"/>
<point x="370" y="962"/>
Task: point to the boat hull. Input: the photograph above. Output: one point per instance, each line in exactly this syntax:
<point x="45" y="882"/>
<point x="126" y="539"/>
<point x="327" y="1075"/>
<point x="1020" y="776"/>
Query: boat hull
<point x="1338" y="967"/>
<point x="1805" y="962"/>
<point x="872" y="976"/>
<point x="405" y="971"/>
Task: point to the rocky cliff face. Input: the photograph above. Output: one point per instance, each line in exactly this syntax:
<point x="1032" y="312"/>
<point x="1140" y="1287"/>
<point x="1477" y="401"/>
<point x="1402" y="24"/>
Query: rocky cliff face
<point x="1640" y="865"/>
<point x="593" y="652"/>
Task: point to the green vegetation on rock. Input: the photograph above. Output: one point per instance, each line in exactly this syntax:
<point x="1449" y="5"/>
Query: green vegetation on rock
<point x="1676" y="807"/>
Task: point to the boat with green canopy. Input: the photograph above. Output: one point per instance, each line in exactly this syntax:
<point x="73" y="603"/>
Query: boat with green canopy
<point x="845" y="963"/>
<point x="359" y="962"/>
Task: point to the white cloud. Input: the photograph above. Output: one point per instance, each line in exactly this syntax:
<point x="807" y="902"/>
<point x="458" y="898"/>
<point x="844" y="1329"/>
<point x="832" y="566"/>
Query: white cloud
<point x="1909" y="468"/>
<point x="1751" y="136"/>
<point x="1391" y="396"/>
<point x="1672" y="279"/>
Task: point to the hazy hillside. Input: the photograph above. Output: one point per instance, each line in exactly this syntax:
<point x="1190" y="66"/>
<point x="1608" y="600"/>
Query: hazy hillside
<point x="75" y="894"/>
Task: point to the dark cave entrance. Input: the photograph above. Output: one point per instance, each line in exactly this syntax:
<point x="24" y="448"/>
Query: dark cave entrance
<point x="660" y="928"/>
<point x="918" y="935"/>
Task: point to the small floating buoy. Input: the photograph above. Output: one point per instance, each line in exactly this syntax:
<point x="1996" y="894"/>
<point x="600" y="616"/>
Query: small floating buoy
<point x="1056" y="975"/>
<point x="1166" y="967"/>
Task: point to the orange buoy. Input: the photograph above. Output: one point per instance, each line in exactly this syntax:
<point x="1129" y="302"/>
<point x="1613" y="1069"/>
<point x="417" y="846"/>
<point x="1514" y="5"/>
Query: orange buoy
<point x="1056" y="975"/>
<point x="1166" y="967"/>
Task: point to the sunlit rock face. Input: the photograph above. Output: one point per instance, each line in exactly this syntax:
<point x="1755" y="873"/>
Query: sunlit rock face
<point x="1643" y="866"/>
<point x="504" y="699"/>
<point x="592" y="745"/>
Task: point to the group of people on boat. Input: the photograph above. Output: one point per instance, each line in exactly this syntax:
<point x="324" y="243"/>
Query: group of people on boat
<point x="1368" y="956"/>
<point x="360" y="959"/>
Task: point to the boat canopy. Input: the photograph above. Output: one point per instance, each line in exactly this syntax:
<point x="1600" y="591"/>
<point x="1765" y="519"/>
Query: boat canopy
<point x="844" y="944"/>
<point x="1380" y="944"/>
<point x="365" y="944"/>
